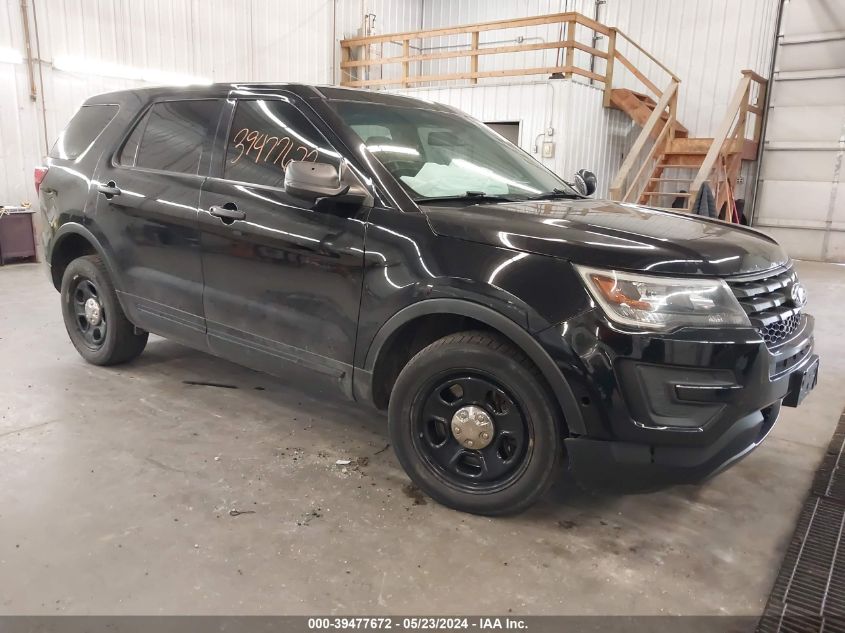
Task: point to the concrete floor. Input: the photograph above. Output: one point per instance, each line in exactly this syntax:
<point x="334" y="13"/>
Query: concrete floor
<point x="116" y="487"/>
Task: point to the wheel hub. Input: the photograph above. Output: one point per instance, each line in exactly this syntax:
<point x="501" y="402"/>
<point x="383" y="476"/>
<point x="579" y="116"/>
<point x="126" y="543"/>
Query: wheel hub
<point x="93" y="311"/>
<point x="472" y="427"/>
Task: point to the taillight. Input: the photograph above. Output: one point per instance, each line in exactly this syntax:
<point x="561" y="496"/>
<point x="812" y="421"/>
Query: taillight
<point x="40" y="172"/>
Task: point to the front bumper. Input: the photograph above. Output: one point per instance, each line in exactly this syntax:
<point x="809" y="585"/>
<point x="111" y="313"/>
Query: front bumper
<point x="675" y="408"/>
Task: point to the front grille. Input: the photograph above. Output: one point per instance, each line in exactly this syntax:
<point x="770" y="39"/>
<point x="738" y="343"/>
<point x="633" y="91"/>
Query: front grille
<point x="779" y="331"/>
<point x="767" y="300"/>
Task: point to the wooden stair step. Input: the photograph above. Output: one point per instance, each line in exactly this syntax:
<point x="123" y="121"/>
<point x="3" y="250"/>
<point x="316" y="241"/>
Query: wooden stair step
<point x="670" y="179"/>
<point x="680" y="146"/>
<point x="639" y="107"/>
<point x="666" y="193"/>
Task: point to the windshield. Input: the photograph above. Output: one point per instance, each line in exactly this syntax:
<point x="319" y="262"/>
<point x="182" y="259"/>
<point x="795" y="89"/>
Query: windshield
<point x="440" y="155"/>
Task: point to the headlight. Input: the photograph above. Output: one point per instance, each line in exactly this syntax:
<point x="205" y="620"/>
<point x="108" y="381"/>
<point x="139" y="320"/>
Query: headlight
<point x="664" y="303"/>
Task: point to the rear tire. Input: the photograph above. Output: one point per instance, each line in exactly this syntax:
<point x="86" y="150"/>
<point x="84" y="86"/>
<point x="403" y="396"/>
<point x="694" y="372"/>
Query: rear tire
<point x="476" y="387"/>
<point x="94" y="320"/>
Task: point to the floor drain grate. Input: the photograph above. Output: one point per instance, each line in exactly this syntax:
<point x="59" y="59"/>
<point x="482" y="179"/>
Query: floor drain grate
<point x="809" y="593"/>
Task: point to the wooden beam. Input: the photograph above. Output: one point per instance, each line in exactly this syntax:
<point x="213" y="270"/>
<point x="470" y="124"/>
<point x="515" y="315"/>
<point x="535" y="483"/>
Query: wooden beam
<point x="570" y="45"/>
<point x="598" y="27"/>
<point x="650" y="56"/>
<point x="545" y="70"/>
<point x="758" y="78"/>
<point x="608" y="71"/>
<point x="493" y="50"/>
<point x="473" y="61"/>
<point x="635" y="71"/>
<point x="406" y="51"/>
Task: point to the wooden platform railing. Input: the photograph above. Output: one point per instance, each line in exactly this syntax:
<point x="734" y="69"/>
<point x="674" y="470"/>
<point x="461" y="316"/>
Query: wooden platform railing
<point x="357" y="59"/>
<point x="732" y="143"/>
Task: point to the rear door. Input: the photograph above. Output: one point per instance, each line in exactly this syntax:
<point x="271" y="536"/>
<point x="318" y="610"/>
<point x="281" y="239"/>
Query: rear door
<point x="146" y="214"/>
<point x="282" y="281"/>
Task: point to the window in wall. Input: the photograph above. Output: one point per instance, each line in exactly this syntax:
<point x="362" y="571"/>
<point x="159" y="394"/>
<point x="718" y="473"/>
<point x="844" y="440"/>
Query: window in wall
<point x="82" y="131"/>
<point x="508" y="129"/>
<point x="265" y="136"/>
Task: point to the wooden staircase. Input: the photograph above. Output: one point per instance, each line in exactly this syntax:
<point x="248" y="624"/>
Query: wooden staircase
<point x="672" y="172"/>
<point x="639" y="107"/>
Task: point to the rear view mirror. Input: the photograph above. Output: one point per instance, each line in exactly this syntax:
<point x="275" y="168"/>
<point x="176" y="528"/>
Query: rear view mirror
<point x="444" y="139"/>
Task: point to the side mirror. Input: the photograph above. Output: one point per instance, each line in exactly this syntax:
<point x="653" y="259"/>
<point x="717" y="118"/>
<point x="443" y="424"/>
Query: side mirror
<point x="313" y="180"/>
<point x="325" y="185"/>
<point x="585" y="182"/>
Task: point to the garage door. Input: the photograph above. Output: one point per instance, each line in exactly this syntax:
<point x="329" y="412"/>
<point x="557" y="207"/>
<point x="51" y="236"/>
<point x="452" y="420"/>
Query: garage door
<point x="800" y="200"/>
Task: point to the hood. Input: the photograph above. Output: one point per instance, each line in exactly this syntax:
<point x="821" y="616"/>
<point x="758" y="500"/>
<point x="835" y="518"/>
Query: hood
<point x="612" y="235"/>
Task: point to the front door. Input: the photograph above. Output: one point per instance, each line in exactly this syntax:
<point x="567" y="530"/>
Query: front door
<point x="146" y="215"/>
<point x="282" y="280"/>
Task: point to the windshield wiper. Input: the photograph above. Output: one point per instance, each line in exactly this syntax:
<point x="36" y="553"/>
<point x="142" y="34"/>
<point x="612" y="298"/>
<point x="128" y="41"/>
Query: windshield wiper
<point x="474" y="196"/>
<point x="556" y="193"/>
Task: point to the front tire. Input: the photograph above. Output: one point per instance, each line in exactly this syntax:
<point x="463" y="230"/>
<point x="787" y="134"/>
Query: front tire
<point x="474" y="426"/>
<point x="94" y="320"/>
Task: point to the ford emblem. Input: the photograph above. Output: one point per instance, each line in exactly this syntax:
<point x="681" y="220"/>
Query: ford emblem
<point x="799" y="295"/>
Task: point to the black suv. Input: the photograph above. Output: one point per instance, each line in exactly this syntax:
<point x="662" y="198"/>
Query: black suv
<point x="419" y="262"/>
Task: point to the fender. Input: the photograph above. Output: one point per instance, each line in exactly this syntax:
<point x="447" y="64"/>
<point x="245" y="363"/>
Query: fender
<point x="69" y="228"/>
<point x="362" y="377"/>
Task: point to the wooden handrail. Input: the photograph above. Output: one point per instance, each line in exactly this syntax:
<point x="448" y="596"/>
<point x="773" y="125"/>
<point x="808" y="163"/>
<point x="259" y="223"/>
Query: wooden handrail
<point x="667" y="127"/>
<point x="474" y="51"/>
<point x="648" y="129"/>
<point x="647" y="54"/>
<point x="734" y="110"/>
<point x="496" y="25"/>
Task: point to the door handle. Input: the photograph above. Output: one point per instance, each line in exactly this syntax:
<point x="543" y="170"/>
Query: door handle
<point x="228" y="212"/>
<point x="109" y="190"/>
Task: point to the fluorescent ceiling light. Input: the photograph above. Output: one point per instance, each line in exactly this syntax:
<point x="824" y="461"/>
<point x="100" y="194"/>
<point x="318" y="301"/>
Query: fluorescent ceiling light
<point x="10" y="56"/>
<point x="106" y="69"/>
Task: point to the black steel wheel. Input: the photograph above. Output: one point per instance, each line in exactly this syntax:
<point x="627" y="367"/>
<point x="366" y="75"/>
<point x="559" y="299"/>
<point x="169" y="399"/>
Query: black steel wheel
<point x="474" y="425"/>
<point x="493" y="457"/>
<point x="93" y="317"/>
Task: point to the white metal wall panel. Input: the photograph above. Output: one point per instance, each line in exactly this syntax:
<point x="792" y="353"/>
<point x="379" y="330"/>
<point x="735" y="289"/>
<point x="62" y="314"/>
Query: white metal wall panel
<point x="220" y="40"/>
<point x="801" y="199"/>
<point x="705" y="42"/>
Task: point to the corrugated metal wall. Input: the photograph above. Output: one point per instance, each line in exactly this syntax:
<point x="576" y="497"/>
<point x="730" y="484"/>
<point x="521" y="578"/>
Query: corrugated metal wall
<point x="221" y="40"/>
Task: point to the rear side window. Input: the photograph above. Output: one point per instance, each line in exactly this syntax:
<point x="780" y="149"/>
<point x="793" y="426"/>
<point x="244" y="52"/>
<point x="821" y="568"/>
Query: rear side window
<point x="265" y="136"/>
<point x="82" y="131"/>
<point x="171" y="136"/>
